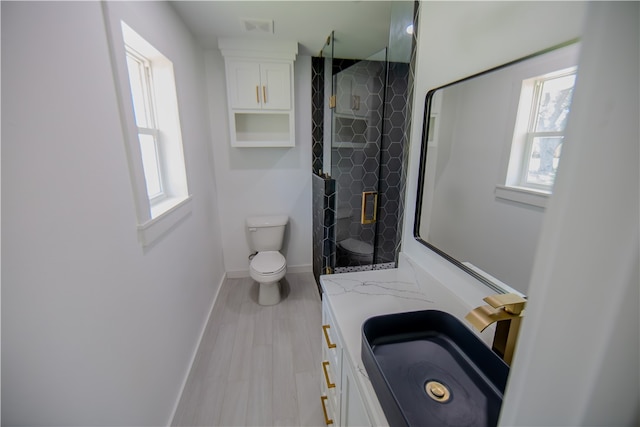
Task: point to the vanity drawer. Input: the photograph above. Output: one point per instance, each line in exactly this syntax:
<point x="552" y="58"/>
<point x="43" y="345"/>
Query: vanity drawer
<point x="328" y="407"/>
<point x="330" y="380"/>
<point x="330" y="390"/>
<point x="330" y="367"/>
<point x="331" y="347"/>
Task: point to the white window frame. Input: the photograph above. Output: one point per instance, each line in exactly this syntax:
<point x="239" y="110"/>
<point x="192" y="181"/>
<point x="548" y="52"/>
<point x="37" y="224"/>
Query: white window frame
<point x="152" y="130"/>
<point x="156" y="216"/>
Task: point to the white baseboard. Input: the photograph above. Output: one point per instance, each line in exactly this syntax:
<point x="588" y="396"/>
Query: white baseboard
<point x="195" y="351"/>
<point x="237" y="274"/>
<point x="306" y="268"/>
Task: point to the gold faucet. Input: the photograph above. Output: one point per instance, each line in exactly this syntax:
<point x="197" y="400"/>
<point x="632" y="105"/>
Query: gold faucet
<point x="506" y="310"/>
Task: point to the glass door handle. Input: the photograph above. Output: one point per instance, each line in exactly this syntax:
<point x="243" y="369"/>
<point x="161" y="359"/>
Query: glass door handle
<point x="369" y="207"/>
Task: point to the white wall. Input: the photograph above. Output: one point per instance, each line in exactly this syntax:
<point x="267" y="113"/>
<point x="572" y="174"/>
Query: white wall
<point x="577" y="360"/>
<point x="94" y="330"/>
<point x="577" y="357"/>
<point x="262" y="181"/>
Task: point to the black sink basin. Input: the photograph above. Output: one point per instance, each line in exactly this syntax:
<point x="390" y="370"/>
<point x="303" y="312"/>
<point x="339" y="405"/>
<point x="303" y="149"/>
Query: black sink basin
<point x="428" y="369"/>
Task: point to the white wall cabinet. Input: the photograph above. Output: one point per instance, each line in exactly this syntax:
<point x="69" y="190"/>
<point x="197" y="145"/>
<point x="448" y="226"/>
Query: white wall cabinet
<point x="340" y="398"/>
<point x="259" y="85"/>
<point x="260" y="92"/>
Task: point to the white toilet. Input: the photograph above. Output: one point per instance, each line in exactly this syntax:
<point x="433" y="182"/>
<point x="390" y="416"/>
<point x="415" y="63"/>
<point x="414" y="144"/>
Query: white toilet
<point x="268" y="266"/>
<point x="355" y="252"/>
<point x="350" y="251"/>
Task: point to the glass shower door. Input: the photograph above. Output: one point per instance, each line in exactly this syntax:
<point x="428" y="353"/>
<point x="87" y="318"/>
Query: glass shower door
<point x="357" y="122"/>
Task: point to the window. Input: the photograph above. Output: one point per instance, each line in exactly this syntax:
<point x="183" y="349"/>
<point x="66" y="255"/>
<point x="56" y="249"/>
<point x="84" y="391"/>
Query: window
<point x="140" y="75"/>
<point x="545" y="103"/>
<point x="152" y="125"/>
<point x="541" y="98"/>
<point x="545" y="133"/>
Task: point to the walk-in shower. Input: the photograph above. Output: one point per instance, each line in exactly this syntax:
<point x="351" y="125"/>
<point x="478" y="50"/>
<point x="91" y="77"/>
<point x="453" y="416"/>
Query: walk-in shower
<point x="361" y="115"/>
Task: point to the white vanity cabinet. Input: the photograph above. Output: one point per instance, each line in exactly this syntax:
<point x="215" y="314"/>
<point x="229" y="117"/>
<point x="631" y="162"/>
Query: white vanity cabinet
<point x="340" y="398"/>
<point x="260" y="91"/>
<point x="352" y="410"/>
<point x="349" y="299"/>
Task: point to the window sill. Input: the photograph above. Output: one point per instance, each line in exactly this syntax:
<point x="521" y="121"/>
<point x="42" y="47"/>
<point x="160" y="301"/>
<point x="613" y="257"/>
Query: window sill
<point x="522" y="195"/>
<point x="165" y="215"/>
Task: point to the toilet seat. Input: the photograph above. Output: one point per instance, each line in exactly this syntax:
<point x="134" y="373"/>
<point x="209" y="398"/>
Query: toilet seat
<point x="268" y="263"/>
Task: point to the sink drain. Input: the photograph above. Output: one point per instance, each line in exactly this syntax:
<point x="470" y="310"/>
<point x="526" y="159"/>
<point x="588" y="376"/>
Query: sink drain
<point x="437" y="391"/>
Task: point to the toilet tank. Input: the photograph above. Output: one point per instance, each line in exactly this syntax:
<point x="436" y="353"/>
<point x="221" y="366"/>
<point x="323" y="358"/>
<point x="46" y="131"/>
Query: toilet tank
<point x="266" y="233"/>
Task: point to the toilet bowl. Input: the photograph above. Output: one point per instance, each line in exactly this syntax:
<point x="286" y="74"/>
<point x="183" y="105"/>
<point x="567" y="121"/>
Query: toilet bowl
<point x="354" y="252"/>
<point x="268" y="266"/>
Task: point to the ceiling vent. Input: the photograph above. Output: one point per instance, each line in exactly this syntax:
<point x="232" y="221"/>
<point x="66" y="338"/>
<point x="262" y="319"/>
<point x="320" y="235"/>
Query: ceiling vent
<point x="257" y="26"/>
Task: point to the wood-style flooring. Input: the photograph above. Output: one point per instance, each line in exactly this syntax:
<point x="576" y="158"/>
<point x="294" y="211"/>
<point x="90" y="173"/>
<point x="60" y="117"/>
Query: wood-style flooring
<point x="257" y="365"/>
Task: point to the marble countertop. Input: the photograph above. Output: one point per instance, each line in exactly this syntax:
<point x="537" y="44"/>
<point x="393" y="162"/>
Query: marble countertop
<point x="355" y="297"/>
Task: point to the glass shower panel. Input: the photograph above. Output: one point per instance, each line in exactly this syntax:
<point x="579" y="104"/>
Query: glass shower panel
<point x="357" y="122"/>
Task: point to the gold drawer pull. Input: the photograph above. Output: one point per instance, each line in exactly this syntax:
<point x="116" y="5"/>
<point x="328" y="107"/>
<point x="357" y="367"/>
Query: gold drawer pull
<point x="326" y="336"/>
<point x="258" y="94"/>
<point x="326" y="374"/>
<point x="264" y="94"/>
<point x="324" y="409"/>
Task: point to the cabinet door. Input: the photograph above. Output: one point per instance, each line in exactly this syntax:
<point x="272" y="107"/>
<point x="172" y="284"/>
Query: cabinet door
<point x="243" y="78"/>
<point x="276" y="85"/>
<point x="352" y="411"/>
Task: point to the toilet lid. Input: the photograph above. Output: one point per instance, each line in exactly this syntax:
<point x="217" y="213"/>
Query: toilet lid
<point x="268" y="262"/>
<point x="356" y="246"/>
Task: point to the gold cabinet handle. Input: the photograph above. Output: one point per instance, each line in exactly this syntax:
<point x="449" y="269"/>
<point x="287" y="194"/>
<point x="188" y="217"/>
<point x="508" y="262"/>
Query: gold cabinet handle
<point x="326" y="374"/>
<point x="326" y="336"/>
<point x="258" y="94"/>
<point x="264" y="94"/>
<point x="327" y="421"/>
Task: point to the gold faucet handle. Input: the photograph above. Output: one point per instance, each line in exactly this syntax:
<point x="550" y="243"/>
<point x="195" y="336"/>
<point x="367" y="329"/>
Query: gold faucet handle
<point x="511" y="303"/>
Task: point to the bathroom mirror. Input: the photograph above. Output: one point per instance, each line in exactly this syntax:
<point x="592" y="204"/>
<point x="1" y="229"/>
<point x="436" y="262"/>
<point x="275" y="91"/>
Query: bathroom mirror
<point x="491" y="147"/>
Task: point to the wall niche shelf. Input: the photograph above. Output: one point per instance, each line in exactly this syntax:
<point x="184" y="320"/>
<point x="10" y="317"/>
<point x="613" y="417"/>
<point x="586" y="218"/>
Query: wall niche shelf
<point x="260" y="91"/>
